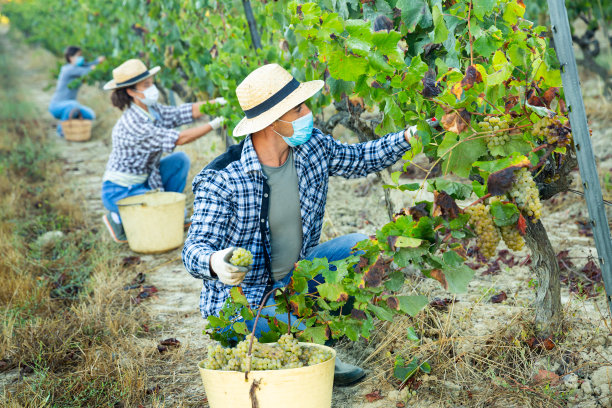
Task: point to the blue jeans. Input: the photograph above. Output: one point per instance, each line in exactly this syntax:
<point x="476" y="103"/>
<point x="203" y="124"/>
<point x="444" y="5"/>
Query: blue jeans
<point x="61" y="111"/>
<point x="334" y="250"/>
<point x="173" y="169"/>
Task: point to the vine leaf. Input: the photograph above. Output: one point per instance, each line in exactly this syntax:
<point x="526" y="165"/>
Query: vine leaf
<point x="412" y="304"/>
<point x="333" y="291"/>
<point x="472" y="76"/>
<point x="456" y="121"/>
<point x="358" y="314"/>
<point x="500" y="182"/>
<point x="445" y="206"/>
<point x="504" y="214"/>
<point x="375" y="275"/>
<point x="438" y="275"/>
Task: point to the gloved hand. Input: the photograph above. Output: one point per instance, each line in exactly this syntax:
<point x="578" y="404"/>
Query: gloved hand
<point x="216" y="122"/>
<point x="226" y="272"/>
<point x="219" y="101"/>
<point x="434" y="123"/>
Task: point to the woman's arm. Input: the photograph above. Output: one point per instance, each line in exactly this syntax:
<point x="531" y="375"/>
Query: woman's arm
<point x="191" y="134"/>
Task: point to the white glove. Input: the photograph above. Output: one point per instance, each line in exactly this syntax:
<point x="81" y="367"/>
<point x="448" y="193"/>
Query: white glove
<point x="216" y="122"/>
<point x="226" y="272"/>
<point x="219" y="101"/>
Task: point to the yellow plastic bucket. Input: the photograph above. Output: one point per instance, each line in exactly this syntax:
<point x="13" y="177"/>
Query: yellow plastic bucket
<point x="153" y="222"/>
<point x="304" y="387"/>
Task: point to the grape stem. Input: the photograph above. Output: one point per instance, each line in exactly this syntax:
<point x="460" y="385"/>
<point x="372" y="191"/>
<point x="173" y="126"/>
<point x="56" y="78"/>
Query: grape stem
<point x="480" y="200"/>
<point x="261" y="305"/>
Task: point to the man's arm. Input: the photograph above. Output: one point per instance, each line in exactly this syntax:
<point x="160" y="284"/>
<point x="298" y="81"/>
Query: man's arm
<point x="358" y="160"/>
<point x="211" y="213"/>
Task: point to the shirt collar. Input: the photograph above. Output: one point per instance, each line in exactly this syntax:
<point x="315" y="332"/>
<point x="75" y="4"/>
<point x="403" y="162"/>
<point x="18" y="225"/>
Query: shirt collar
<point x="248" y="158"/>
<point x="143" y="113"/>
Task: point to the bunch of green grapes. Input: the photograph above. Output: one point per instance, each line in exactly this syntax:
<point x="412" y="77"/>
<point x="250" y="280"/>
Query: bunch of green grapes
<point x="496" y="126"/>
<point x="287" y="353"/>
<point x="241" y="257"/>
<point x="488" y="234"/>
<point x="553" y="131"/>
<point x="526" y="195"/>
<point x="512" y="237"/>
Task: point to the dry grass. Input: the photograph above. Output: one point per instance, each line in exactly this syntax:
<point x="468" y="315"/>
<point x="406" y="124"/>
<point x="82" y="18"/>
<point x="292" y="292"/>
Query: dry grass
<point x="70" y="335"/>
<point x="473" y="363"/>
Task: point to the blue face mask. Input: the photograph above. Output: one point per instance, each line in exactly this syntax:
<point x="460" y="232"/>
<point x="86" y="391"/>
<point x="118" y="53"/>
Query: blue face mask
<point x="79" y="61"/>
<point x="302" y="130"/>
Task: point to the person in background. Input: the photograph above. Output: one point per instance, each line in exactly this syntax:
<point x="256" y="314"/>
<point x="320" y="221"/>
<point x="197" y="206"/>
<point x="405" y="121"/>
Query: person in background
<point x="139" y="138"/>
<point x="268" y="195"/>
<point x="64" y="100"/>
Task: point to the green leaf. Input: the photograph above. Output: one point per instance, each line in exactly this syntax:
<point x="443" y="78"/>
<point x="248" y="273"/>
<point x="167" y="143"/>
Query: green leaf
<point x="407" y="242"/>
<point x="479" y="189"/>
<point x="413" y="304"/>
<point x="404" y="372"/>
<point x="411" y="334"/>
<point x="440" y="32"/>
<point x="504" y="214"/>
<point x="458" y="277"/>
<point x="315" y="334"/>
<point x="379" y="63"/>
<point x="481" y="7"/>
<point x="240" y="328"/>
<point x="499" y="164"/>
<point x="415" y="12"/>
<point x="395" y="282"/>
<point x="238" y="297"/>
<point x="459" y="160"/>
<point x="513" y="12"/>
<point x="380" y="312"/>
<point x="347" y="67"/>
<point x="333" y="291"/>
<point x="458" y="191"/>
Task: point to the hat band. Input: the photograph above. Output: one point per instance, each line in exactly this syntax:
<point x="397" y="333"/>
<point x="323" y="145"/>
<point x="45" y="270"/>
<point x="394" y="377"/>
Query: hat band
<point x="273" y="100"/>
<point x="136" y="78"/>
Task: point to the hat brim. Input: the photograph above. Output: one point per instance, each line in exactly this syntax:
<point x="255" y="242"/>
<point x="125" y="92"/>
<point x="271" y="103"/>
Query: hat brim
<point x="110" y="85"/>
<point x="302" y="93"/>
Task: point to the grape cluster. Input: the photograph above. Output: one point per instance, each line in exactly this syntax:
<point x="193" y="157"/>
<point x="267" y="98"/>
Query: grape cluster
<point x="287" y="353"/>
<point x="488" y="234"/>
<point x="241" y="257"/>
<point x="526" y="195"/>
<point x="551" y="130"/>
<point x="495" y="125"/>
<point x="512" y="237"/>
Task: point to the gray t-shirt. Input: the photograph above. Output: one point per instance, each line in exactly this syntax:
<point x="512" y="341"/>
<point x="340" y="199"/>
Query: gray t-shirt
<point x="69" y="73"/>
<point x="284" y="217"/>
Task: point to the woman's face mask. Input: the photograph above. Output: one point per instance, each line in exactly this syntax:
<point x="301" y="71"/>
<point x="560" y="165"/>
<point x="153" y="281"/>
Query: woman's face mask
<point x="151" y="95"/>
<point x="79" y="61"/>
<point x="302" y="130"/>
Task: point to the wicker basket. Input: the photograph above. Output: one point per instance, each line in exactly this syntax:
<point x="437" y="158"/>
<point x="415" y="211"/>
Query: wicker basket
<point x="76" y="129"/>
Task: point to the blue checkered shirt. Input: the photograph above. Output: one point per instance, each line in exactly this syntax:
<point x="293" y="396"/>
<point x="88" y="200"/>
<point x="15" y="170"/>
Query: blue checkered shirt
<point x="139" y="139"/>
<point x="231" y="202"/>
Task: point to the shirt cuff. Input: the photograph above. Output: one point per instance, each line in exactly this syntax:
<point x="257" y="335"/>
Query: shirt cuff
<point x="399" y="142"/>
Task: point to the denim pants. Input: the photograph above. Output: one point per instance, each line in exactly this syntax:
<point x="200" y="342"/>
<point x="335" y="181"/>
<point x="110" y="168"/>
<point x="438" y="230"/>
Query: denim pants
<point x="61" y="110"/>
<point x="334" y="250"/>
<point x="173" y="169"/>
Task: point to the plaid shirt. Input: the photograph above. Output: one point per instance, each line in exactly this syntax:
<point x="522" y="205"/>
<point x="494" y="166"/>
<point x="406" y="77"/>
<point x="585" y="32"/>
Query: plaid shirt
<point x="232" y="199"/>
<point x="139" y="140"/>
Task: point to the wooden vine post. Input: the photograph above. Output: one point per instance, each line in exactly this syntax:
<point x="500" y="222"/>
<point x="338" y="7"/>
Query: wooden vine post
<point x="584" y="151"/>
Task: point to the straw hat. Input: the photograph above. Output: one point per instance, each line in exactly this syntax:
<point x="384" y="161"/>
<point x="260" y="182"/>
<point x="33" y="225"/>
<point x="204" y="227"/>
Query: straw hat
<point x="129" y="73"/>
<point x="268" y="93"/>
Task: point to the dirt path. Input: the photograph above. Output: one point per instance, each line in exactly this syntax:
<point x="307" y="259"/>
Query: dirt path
<point x="175" y="308"/>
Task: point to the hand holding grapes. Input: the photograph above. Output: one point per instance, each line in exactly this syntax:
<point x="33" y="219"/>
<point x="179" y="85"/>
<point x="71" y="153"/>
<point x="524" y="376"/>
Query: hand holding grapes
<point x="226" y="271"/>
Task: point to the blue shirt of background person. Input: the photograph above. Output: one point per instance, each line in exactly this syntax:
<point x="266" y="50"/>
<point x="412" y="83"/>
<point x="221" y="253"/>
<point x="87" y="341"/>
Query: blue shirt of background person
<point x="64" y="99"/>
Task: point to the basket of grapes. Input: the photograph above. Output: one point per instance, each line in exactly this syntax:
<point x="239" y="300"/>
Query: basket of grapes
<point x="286" y="374"/>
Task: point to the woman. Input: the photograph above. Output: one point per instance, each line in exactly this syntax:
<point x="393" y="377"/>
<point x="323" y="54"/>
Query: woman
<point x="64" y="99"/>
<point x="141" y="135"/>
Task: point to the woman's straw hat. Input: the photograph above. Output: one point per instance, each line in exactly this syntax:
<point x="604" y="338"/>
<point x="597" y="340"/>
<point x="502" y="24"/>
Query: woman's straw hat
<point x="129" y="73"/>
<point x="268" y="93"/>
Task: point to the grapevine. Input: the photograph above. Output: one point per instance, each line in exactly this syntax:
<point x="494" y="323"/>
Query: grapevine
<point x="285" y="354"/>
<point x="241" y="257"/>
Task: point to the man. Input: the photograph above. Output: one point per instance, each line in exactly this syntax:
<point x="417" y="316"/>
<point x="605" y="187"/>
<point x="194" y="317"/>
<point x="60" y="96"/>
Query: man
<point x="268" y="195"/>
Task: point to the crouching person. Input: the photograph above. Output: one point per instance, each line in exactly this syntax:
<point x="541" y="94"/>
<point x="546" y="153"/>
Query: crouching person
<point x="142" y="134"/>
<point x="268" y="195"/>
